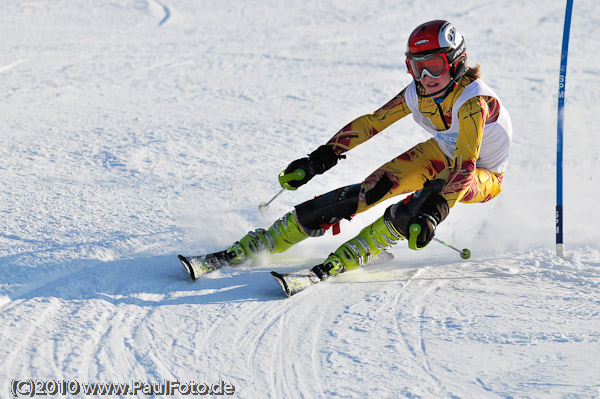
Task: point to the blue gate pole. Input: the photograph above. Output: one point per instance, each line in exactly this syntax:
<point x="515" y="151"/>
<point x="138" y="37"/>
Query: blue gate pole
<point x="562" y="80"/>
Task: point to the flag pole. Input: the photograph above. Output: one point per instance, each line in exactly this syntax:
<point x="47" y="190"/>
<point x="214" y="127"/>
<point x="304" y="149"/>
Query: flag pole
<point x="562" y="80"/>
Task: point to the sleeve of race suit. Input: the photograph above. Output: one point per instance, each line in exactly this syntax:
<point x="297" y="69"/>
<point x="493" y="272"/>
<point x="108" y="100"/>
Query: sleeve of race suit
<point x="365" y="127"/>
<point x="462" y="178"/>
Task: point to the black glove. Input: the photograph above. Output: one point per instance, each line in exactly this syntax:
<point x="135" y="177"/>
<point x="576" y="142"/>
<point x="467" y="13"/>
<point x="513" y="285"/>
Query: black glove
<point x="417" y="216"/>
<point x="302" y="170"/>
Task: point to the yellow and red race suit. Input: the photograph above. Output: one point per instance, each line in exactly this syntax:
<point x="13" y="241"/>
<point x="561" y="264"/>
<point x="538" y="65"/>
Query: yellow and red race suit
<point x="472" y="134"/>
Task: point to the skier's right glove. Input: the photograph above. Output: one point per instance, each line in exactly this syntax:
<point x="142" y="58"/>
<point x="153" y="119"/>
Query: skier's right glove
<point x="417" y="216"/>
<point x="302" y="170"/>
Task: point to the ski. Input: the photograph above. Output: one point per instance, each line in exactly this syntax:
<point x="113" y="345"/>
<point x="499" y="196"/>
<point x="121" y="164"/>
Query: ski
<point x="293" y="282"/>
<point x="198" y="266"/>
<point x="298" y="280"/>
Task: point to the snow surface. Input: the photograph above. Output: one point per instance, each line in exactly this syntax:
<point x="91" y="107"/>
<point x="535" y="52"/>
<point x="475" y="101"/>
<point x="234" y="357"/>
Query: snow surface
<point x="134" y="130"/>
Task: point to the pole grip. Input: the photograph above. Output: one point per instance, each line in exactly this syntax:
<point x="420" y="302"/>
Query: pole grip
<point x="284" y="178"/>
<point x="413" y="233"/>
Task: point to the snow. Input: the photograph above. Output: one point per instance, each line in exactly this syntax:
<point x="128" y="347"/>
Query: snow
<point x="135" y="130"/>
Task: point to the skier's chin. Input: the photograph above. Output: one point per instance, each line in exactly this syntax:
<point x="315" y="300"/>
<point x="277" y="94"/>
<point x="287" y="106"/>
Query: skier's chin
<point x="432" y="87"/>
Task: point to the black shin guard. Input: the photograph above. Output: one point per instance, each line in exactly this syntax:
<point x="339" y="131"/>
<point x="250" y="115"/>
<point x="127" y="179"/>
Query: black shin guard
<point x="427" y="208"/>
<point x="328" y="209"/>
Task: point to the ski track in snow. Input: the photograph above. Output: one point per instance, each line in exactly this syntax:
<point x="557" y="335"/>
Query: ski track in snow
<point x="417" y="349"/>
<point x="166" y="10"/>
<point x="123" y="145"/>
<point x="12" y="65"/>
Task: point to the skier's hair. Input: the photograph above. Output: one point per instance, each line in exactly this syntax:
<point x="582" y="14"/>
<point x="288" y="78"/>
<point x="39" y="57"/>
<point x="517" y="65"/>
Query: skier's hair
<point x="474" y="72"/>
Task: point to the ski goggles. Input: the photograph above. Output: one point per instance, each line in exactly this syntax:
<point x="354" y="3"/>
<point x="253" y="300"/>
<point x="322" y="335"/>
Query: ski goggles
<point x="433" y="65"/>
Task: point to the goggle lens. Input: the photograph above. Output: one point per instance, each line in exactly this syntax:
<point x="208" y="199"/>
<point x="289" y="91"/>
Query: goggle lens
<point x="434" y="65"/>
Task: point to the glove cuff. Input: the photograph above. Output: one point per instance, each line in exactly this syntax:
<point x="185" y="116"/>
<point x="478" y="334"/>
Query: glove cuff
<point x="323" y="159"/>
<point x="436" y="207"/>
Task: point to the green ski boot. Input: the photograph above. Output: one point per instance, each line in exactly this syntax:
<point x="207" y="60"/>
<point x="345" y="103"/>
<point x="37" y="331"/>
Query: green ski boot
<point x="281" y="236"/>
<point x="367" y="245"/>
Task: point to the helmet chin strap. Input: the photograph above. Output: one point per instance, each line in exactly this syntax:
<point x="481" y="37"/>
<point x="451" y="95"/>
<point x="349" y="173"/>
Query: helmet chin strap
<point x="461" y="68"/>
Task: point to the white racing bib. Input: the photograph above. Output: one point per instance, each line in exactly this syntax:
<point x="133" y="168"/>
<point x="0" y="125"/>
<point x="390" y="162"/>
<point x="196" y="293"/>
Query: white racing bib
<point x="495" y="144"/>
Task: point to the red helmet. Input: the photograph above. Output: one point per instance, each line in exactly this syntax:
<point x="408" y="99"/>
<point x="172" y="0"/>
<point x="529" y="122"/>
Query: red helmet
<point x="433" y="48"/>
<point x="436" y="37"/>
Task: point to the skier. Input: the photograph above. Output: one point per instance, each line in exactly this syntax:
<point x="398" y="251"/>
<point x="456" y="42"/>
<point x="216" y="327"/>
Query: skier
<point x="463" y="162"/>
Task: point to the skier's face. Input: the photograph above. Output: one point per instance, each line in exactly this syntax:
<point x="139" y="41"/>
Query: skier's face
<point x="433" y="85"/>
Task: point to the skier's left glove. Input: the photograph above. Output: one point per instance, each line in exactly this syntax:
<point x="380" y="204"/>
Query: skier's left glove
<point x="302" y="170"/>
<point x="418" y="215"/>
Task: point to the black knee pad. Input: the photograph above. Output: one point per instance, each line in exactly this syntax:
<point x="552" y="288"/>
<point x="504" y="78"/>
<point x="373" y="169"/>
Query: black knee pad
<point x="379" y="190"/>
<point x="329" y="208"/>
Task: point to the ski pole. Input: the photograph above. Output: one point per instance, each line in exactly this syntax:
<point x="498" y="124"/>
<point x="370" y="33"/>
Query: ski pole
<point x="284" y="180"/>
<point x="465" y="253"/>
<point x="263" y="206"/>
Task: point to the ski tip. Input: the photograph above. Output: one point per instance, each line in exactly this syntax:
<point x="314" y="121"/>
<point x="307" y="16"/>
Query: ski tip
<point x="187" y="266"/>
<point x="281" y="281"/>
